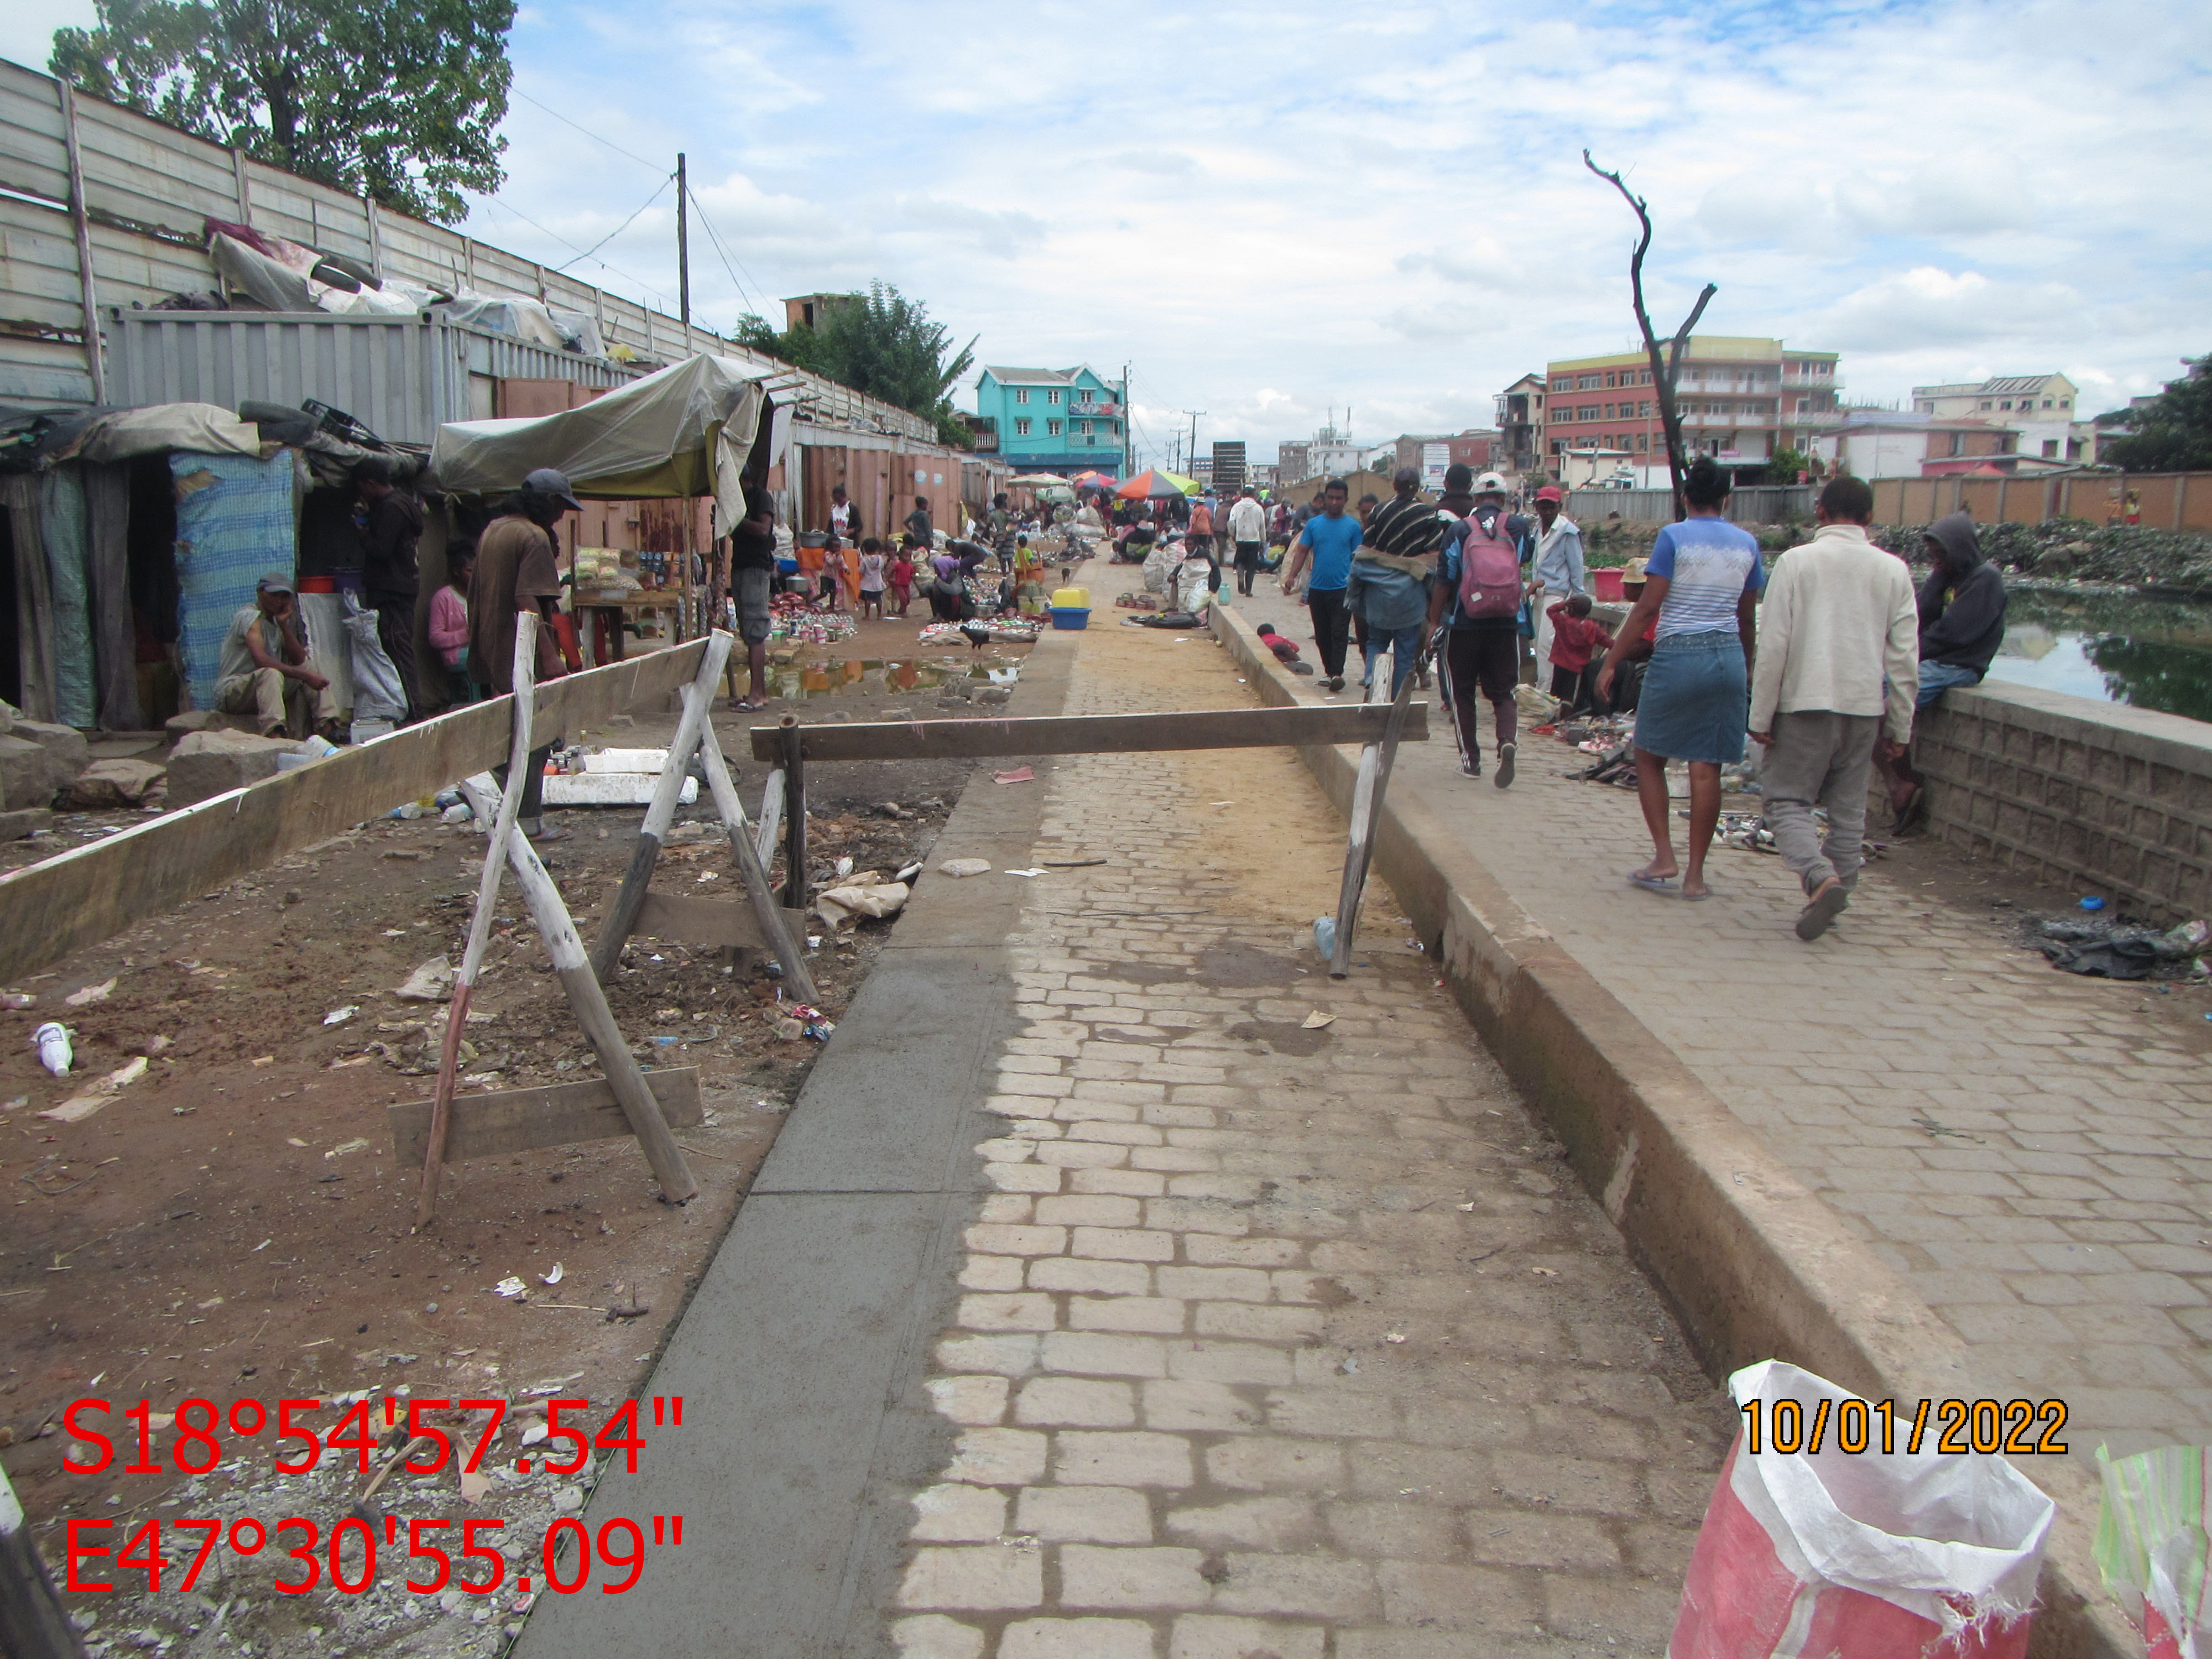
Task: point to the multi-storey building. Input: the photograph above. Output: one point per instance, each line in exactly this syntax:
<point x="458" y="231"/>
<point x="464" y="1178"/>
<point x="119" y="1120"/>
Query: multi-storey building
<point x="1741" y="400"/>
<point x="1055" y="420"/>
<point x="1431" y="454"/>
<point x="1520" y="424"/>
<point x="2040" y="408"/>
<point x="1327" y="454"/>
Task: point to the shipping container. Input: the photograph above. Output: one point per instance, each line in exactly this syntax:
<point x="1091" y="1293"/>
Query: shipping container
<point x="398" y="376"/>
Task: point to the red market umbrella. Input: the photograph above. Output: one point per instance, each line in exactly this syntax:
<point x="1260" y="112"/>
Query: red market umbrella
<point x="1094" y="480"/>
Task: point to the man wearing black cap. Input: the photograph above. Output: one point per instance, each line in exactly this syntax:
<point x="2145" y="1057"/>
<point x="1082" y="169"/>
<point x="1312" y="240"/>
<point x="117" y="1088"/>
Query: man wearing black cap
<point x="516" y="575"/>
<point x="264" y="671"/>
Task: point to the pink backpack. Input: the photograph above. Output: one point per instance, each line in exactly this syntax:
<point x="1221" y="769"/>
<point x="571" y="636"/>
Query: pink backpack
<point x="1489" y="573"/>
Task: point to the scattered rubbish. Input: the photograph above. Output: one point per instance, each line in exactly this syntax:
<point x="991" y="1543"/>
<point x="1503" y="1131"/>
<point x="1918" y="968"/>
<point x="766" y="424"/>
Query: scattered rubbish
<point x="345" y="1148"/>
<point x="82" y="1106"/>
<point x="1324" y="932"/>
<point x="295" y="1140"/>
<point x="431" y="982"/>
<point x="844" y="866"/>
<point x="90" y="994"/>
<point x="262" y="1246"/>
<point x="1025" y="874"/>
<point x="555" y="1277"/>
<point x="534" y="1433"/>
<point x="1467" y="1209"/>
<point x="2110" y="947"/>
<point x="1394" y="1338"/>
<point x="55" y="1052"/>
<point x="340" y="1016"/>
<point x="509" y="1287"/>
<point x="458" y="813"/>
<point x="819" y="1030"/>
<point x="1548" y="1273"/>
<point x="1018" y="775"/>
<point x="1349" y="1367"/>
<point x="908" y="872"/>
<point x="963" y="866"/>
<point x="1315" y="1020"/>
<point x="15" y="1001"/>
<point x="263" y="1060"/>
<point x="2092" y="902"/>
<point x="1070" y="864"/>
<point x="840" y="905"/>
<point x="790" y="1031"/>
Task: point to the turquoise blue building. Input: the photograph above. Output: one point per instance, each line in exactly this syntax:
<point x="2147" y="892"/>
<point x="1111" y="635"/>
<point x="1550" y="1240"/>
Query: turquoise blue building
<point x="1053" y="420"/>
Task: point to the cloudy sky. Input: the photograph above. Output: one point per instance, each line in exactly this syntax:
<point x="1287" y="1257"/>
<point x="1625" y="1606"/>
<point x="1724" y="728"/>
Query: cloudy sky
<point x="1274" y="211"/>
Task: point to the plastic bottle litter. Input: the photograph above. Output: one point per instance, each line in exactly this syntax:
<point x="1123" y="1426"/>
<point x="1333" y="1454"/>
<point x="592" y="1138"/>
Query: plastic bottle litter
<point x="1325" y="936"/>
<point x="56" y="1052"/>
<point x="456" y="813"/>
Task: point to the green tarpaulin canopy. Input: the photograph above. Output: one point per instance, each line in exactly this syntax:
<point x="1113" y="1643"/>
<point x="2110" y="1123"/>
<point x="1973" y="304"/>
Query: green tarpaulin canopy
<point x="683" y="431"/>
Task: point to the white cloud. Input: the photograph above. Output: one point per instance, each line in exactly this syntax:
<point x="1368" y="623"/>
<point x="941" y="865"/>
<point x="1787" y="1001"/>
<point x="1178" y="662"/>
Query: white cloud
<point x="1324" y="215"/>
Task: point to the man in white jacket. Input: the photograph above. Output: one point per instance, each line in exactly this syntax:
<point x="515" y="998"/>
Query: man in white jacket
<point x="1839" y="647"/>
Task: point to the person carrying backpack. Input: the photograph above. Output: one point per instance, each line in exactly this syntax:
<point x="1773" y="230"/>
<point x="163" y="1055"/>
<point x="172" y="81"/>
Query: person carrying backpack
<point x="1477" y="601"/>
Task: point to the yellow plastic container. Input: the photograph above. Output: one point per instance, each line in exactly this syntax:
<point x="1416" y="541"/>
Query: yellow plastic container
<point x="1072" y="599"/>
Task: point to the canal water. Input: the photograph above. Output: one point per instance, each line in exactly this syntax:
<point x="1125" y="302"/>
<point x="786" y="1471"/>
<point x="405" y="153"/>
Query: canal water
<point x="2114" y="646"/>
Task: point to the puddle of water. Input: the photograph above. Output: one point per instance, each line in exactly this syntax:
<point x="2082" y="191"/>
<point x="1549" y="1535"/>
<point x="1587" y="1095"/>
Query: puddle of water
<point x="881" y="674"/>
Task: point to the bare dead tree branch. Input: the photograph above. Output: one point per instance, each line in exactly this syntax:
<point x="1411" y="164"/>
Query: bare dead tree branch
<point x="1663" y="369"/>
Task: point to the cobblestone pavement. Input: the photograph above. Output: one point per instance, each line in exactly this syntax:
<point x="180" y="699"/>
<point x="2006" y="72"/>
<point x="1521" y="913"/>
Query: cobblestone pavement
<point x="2026" y="1147"/>
<point x="1278" y="1337"/>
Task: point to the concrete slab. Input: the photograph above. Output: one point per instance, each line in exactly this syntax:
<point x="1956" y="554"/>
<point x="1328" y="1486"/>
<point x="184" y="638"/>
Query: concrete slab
<point x="802" y="1354"/>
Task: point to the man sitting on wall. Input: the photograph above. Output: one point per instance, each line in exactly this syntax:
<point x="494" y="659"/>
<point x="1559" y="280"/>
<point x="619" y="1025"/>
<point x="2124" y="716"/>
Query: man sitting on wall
<point x="1962" y="623"/>
<point x="264" y="669"/>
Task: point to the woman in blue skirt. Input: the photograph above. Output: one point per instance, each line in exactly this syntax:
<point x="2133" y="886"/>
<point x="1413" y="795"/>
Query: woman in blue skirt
<point x="1702" y="583"/>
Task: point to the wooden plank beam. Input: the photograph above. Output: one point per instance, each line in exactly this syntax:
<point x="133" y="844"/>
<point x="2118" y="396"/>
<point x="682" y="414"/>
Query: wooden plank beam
<point x="524" y="1119"/>
<point x="709" y="921"/>
<point x="1299" y="728"/>
<point x="80" y="897"/>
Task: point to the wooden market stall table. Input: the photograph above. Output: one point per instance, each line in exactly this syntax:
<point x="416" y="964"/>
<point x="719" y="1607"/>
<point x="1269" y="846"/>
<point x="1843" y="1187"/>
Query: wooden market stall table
<point x="616" y="611"/>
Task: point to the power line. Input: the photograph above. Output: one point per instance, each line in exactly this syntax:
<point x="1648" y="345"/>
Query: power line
<point x="586" y="130"/>
<point x="619" y="229"/>
<point x="658" y="298"/>
<point x="715" y="237"/>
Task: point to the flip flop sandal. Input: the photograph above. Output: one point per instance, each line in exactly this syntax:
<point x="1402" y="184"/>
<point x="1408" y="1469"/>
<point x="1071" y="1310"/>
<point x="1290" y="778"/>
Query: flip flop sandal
<point x="1652" y="883"/>
<point x="1696" y="898"/>
<point x="1821" y="913"/>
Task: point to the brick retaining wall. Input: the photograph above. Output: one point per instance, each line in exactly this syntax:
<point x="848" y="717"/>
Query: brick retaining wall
<point x="2084" y="794"/>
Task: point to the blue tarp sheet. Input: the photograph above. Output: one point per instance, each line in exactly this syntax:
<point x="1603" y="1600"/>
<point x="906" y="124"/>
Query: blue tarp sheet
<point x="235" y="524"/>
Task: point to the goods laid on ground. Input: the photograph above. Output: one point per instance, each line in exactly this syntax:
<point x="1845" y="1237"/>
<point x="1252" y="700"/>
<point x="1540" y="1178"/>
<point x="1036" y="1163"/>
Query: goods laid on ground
<point x="791" y="618"/>
<point x="1002" y="633"/>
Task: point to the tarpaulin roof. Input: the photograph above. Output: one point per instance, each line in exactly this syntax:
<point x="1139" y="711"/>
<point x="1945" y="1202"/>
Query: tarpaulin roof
<point x="684" y="431"/>
<point x="117" y="434"/>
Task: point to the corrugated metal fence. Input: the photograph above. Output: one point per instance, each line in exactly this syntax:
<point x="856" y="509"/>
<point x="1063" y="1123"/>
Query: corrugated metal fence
<point x="1761" y="504"/>
<point x="148" y="187"/>
<point x="2159" y="501"/>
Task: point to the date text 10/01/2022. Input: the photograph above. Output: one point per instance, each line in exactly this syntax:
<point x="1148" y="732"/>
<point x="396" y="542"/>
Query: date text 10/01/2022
<point x="1979" y="1427"/>
<point x="426" y="1448"/>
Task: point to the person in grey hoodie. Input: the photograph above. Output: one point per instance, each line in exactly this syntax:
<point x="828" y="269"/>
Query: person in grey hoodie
<point x="1962" y="612"/>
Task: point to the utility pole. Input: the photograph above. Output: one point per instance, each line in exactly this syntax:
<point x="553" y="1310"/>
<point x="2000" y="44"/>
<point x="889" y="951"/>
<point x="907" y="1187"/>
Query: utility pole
<point x="1128" y="452"/>
<point x="683" y="248"/>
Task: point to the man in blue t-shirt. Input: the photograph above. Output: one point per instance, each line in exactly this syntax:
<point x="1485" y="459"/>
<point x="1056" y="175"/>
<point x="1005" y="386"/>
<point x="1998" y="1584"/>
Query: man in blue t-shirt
<point x="1326" y="543"/>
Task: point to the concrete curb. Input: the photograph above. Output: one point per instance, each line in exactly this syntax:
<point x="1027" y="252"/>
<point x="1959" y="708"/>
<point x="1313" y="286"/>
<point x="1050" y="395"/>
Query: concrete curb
<point x="1757" y="1267"/>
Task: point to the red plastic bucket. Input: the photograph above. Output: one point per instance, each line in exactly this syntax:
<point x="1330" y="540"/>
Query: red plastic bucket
<point x="1606" y="584"/>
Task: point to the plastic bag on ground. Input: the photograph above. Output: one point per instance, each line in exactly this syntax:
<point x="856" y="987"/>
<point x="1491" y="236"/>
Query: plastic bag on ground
<point x="2152" y="1549"/>
<point x="1864" y="1557"/>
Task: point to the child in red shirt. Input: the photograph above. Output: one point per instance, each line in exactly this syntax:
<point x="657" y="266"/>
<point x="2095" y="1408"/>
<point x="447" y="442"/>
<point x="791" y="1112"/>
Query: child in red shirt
<point x="1575" y="639"/>
<point x="900" y="576"/>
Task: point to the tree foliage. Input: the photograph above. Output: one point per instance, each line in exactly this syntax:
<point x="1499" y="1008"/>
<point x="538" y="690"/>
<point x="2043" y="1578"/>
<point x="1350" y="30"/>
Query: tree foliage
<point x="1783" y="466"/>
<point x="882" y="344"/>
<point x="2172" y="432"/>
<point x="397" y="99"/>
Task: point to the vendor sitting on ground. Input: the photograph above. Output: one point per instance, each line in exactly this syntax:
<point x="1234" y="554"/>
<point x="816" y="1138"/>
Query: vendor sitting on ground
<point x="263" y="668"/>
<point x="1285" y="652"/>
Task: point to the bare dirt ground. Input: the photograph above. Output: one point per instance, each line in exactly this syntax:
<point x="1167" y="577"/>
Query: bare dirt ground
<point x="231" y="1227"/>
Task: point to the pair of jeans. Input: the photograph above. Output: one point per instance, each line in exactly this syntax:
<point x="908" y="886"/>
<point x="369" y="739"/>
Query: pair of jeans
<point x="1937" y="677"/>
<point x="1403" y="644"/>
<point x="1332" y="626"/>
<point x="1824" y="759"/>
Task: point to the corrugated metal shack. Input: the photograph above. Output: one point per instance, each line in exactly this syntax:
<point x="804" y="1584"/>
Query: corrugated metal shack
<point x="102" y="219"/>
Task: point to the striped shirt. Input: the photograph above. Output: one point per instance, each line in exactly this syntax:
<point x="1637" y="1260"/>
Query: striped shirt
<point x="1709" y="564"/>
<point x="1406" y="526"/>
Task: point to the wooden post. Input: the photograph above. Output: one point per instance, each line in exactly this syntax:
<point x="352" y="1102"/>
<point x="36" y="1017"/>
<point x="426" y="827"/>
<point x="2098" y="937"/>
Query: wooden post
<point x="790" y="950"/>
<point x="457" y="1011"/>
<point x="622" y="914"/>
<point x="32" y="1622"/>
<point x="794" y="816"/>
<point x="1375" y="762"/>
<point x="88" y="289"/>
<point x="589" y="1002"/>
<point x="244" y="185"/>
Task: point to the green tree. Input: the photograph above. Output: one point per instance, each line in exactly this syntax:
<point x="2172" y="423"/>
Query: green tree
<point x="882" y="344"/>
<point x="1783" y="466"/>
<point x="2172" y="433"/>
<point x="396" y="100"/>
